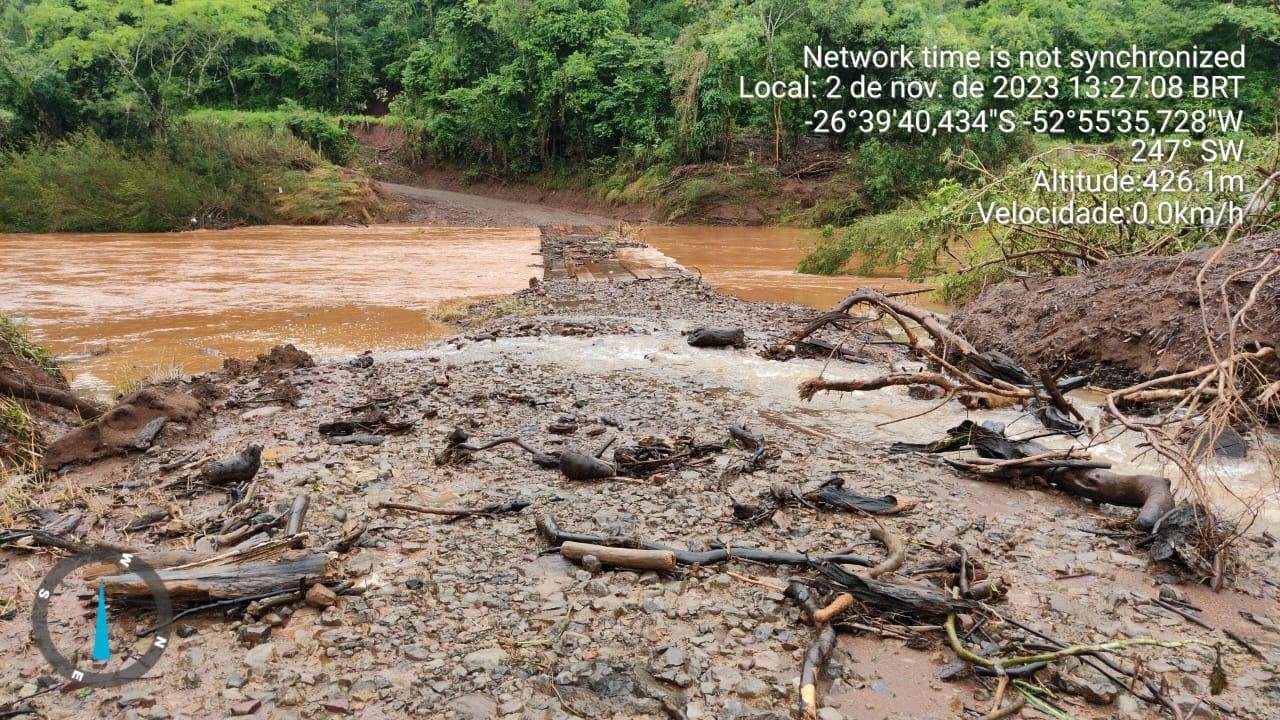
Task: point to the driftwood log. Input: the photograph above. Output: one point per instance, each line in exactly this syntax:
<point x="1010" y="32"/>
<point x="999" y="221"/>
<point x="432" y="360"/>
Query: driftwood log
<point x="717" y="337"/>
<point x="620" y="557"/>
<point x="556" y="537"/>
<point x="1070" y="471"/>
<point x="224" y="581"/>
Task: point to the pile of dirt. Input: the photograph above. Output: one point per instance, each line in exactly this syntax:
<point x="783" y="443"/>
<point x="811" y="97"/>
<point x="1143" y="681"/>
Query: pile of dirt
<point x="1128" y="318"/>
<point x="278" y="361"/>
<point x="130" y="425"/>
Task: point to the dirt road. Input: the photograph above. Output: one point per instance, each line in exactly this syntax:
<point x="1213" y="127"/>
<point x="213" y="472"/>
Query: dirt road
<point x="445" y="207"/>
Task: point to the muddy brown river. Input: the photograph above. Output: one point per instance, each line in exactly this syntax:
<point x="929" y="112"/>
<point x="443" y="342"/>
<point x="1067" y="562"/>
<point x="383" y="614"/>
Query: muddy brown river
<point x="117" y="307"/>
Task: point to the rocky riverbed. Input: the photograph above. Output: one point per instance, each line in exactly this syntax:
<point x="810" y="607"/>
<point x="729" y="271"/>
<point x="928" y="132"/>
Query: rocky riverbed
<point x="474" y="619"/>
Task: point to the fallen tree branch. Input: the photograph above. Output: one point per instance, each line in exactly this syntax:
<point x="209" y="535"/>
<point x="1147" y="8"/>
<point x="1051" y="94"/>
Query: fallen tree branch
<point x="513" y="506"/>
<point x="555" y="537"/>
<point x="620" y="557"/>
<point x="1050" y="656"/>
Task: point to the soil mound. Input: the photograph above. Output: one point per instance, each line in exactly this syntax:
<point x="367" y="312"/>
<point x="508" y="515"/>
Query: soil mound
<point x="278" y="361"/>
<point x="1128" y="318"/>
<point x="127" y="426"/>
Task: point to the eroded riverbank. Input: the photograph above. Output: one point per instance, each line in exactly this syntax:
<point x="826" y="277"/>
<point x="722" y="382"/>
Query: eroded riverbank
<point x="470" y="619"/>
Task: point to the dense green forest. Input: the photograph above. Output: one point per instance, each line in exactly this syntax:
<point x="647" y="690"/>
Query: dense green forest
<point x="608" y="94"/>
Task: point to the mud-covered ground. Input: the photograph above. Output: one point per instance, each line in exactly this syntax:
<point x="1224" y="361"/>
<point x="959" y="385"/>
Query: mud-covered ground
<point x="473" y="619"/>
<point x="1130" y="317"/>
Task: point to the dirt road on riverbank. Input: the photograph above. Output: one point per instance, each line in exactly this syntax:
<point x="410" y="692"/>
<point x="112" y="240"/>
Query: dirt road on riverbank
<point x="430" y="206"/>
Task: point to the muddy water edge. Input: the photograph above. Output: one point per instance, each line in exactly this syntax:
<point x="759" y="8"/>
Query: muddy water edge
<point x="473" y="620"/>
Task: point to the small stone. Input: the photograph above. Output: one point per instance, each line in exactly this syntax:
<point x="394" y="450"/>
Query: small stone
<point x="751" y="687"/>
<point x="254" y="634"/>
<point x="417" y="652"/>
<point x="320" y="596"/>
<point x="829" y="713"/>
<point x="598" y="588"/>
<point x="474" y="706"/>
<point x="136" y="697"/>
<point x="258" y="657"/>
<point x="675" y="657"/>
<point x="1169" y="593"/>
<point x="186" y="630"/>
<point x="486" y="659"/>
<point x="591" y="564"/>
<point x="235" y="681"/>
<point x="338" y="705"/>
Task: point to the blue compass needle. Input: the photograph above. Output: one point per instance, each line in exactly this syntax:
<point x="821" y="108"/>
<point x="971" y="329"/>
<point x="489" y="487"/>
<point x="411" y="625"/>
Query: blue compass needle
<point x="101" y="642"/>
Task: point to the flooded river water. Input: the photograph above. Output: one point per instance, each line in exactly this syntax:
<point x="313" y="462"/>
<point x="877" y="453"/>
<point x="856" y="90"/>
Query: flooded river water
<point x="116" y="306"/>
<point x="758" y="263"/>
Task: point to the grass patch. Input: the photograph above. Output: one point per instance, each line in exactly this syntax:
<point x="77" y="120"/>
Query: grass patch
<point x="19" y="461"/>
<point x="325" y="134"/>
<point x="325" y="195"/>
<point x="940" y="234"/>
<point x="478" y="310"/>
<point x="132" y="378"/>
<point x="687" y="191"/>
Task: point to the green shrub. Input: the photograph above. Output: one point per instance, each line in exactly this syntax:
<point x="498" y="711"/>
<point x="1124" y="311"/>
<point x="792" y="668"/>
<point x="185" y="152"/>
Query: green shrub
<point x="84" y="184"/>
<point x="324" y="133"/>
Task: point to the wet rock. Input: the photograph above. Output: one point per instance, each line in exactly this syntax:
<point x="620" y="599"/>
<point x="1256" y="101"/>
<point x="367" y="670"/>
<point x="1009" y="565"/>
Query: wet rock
<point x="320" y="596"/>
<point x="258" y="657"/>
<point x="474" y="706"/>
<point x="717" y="337"/>
<point x="1227" y="444"/>
<point x="486" y="659"/>
<point x="255" y="633"/>
<point x="136" y="697"/>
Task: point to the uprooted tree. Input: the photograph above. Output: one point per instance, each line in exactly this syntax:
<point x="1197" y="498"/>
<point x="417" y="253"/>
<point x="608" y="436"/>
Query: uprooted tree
<point x="1192" y="409"/>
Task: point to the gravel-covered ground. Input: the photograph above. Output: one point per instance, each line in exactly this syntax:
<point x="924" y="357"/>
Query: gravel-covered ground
<point x="474" y="619"/>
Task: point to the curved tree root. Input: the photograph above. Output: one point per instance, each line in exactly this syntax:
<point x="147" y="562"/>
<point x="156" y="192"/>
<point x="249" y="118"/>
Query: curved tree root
<point x="896" y="556"/>
<point x="23" y="390"/>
